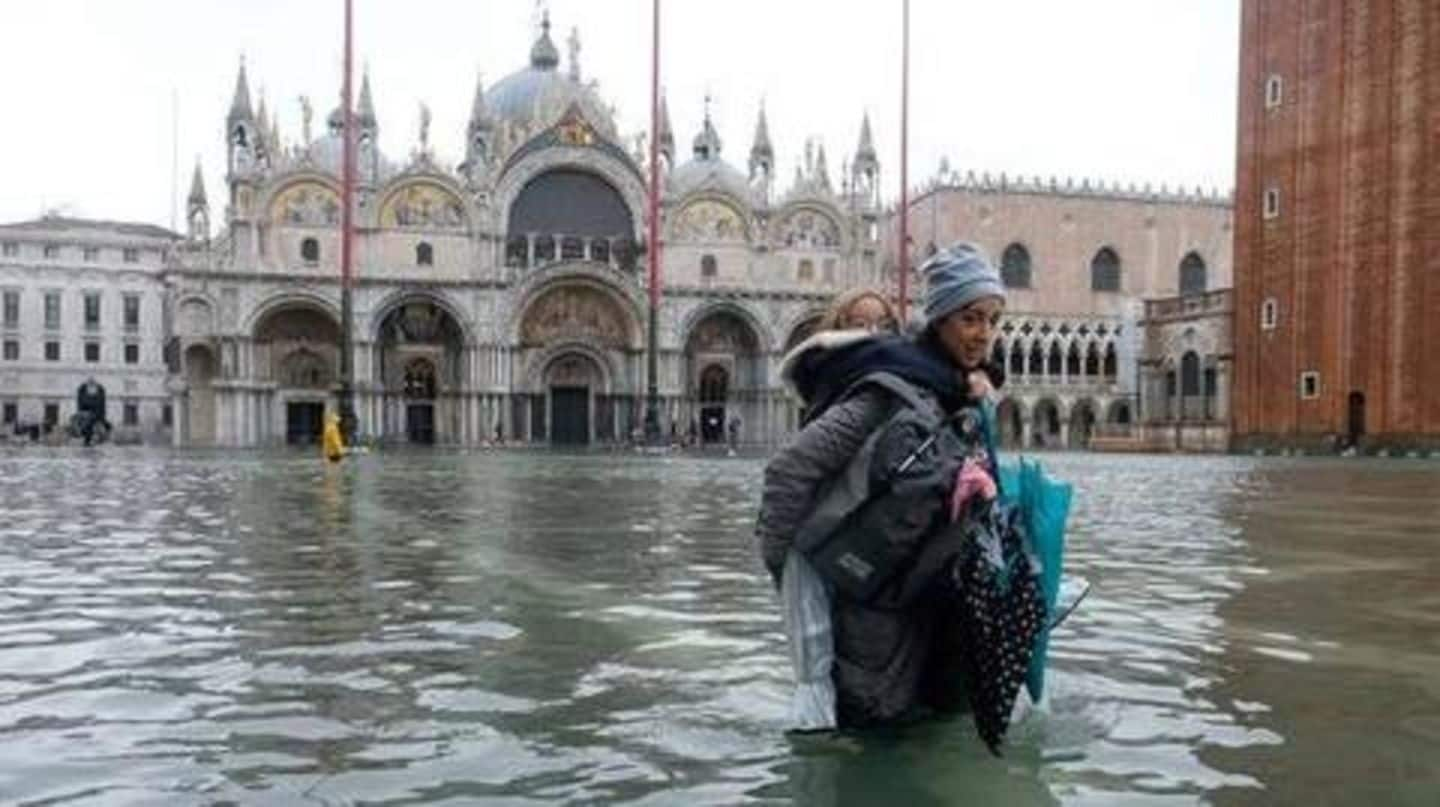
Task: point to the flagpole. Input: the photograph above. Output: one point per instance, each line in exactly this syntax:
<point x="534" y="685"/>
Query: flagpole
<point x="347" y="251"/>
<point x="904" y="259"/>
<point x="652" y="407"/>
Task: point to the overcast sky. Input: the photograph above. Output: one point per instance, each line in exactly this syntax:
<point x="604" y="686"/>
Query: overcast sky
<point x="1131" y="90"/>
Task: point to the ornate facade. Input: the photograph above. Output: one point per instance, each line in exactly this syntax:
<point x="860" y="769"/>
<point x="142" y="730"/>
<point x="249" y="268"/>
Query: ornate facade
<point x="506" y="297"/>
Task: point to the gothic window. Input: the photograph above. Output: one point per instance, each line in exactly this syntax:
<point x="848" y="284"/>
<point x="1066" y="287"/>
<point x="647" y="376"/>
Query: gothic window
<point x="1105" y="271"/>
<point x="1017" y="359"/>
<point x="1110" y="361"/>
<point x="1192" y="275"/>
<point x="572" y="248"/>
<point x="1092" y="361"/>
<point x="1053" y="365"/>
<point x="1072" y="361"/>
<point x="806" y="270"/>
<point x="997" y="355"/>
<point x="1310" y="384"/>
<point x="1190" y="374"/>
<point x="239" y="138"/>
<point x="310" y="251"/>
<point x="708" y="266"/>
<point x="600" y="250"/>
<point x="1037" y="360"/>
<point x="424" y="254"/>
<point x="1015" y="267"/>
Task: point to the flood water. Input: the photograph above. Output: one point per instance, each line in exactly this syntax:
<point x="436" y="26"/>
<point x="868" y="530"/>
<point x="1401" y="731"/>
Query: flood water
<point x="527" y="628"/>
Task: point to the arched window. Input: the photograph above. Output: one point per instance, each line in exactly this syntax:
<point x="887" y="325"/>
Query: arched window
<point x="1105" y="270"/>
<point x="1192" y="274"/>
<point x="806" y="270"/>
<point x="1111" y="363"/>
<point x="1037" y="360"/>
<point x="544" y="249"/>
<point x="708" y="266"/>
<point x="1190" y="374"/>
<point x="1072" y="361"/>
<point x="1015" y="267"/>
<point x="1053" y="365"/>
<point x="310" y="251"/>
<point x="1092" y="361"/>
<point x="997" y="355"/>
<point x="424" y="254"/>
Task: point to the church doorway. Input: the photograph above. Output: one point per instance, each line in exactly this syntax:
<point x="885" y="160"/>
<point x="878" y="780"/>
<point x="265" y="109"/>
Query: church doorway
<point x="420" y="385"/>
<point x="714" y="387"/>
<point x="570" y="416"/>
<point x="303" y="422"/>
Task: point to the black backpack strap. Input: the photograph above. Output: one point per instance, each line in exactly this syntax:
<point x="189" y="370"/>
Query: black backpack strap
<point x="908" y="393"/>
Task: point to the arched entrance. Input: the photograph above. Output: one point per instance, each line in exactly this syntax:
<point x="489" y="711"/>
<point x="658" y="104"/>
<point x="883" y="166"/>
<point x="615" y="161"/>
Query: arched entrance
<point x="420" y="364"/>
<point x="1011" y="424"/>
<point x="714" y="389"/>
<point x="572" y="381"/>
<point x="1046" y="427"/>
<point x="1082" y="423"/>
<point x="722" y="355"/>
<point x="200" y="403"/>
<point x="578" y="343"/>
<point x="421" y="384"/>
<point x="296" y="347"/>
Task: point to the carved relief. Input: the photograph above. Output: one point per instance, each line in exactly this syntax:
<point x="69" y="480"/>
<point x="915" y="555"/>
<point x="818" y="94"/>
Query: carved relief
<point x="709" y="221"/>
<point x="808" y="229"/>
<point x="423" y="205"/>
<point x="308" y="204"/>
<point x="575" y="312"/>
<point x="722" y="333"/>
<point x="572" y="371"/>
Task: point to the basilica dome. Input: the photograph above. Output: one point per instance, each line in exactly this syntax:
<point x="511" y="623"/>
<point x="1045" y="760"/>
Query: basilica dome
<point x="537" y="96"/>
<point x="706" y="171"/>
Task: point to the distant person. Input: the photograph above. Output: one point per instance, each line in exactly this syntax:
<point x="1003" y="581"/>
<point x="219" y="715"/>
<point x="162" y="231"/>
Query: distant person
<point x="862" y="309"/>
<point x="90" y="409"/>
<point x="332" y="442"/>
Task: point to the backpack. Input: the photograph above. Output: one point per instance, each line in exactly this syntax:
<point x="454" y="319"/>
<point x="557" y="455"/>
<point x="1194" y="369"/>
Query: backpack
<point x="871" y="522"/>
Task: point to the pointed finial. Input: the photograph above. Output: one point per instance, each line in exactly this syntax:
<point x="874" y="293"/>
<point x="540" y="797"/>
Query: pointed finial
<point x="240" y="105"/>
<point x="197" y="187"/>
<point x="573" y="45"/>
<point x="543" y="54"/>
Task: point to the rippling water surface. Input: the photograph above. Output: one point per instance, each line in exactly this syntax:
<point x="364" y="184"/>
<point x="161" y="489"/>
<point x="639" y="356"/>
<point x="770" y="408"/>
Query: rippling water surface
<point x="528" y="628"/>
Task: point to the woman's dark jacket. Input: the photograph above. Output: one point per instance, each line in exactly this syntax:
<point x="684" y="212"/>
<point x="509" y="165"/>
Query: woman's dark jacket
<point x="889" y="665"/>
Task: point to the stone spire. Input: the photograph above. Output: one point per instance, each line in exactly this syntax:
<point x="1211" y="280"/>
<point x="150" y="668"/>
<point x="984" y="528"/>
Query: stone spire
<point x="197" y="209"/>
<point x="865" y="152"/>
<point x="822" y="170"/>
<point x="573" y="46"/>
<point x="197" y="188"/>
<point x="365" y="113"/>
<point x="543" y="55"/>
<point x="761" y="150"/>
<point x="667" y="133"/>
<point x="240" y="106"/>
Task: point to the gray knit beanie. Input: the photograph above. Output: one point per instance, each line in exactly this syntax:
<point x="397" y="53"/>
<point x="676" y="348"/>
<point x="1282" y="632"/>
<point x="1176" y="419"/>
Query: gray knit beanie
<point x="955" y="277"/>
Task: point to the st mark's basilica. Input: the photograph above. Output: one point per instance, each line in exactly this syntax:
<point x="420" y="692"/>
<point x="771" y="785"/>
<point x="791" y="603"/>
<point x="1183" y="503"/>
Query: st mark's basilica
<point x="502" y="294"/>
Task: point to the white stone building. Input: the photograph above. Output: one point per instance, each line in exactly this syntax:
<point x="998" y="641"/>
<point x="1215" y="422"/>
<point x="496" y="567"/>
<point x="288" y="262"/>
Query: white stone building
<point x="507" y="295"/>
<point x="81" y="299"/>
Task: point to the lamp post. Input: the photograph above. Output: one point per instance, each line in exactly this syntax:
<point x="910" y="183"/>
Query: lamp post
<point x="652" y="395"/>
<point x="347" y="248"/>
<point x="904" y="258"/>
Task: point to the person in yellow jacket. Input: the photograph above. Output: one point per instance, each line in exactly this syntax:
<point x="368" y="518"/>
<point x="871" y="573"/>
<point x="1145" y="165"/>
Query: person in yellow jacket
<point x="332" y="443"/>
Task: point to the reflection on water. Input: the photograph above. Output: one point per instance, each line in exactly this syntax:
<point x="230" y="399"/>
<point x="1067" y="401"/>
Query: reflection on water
<point x="527" y="628"/>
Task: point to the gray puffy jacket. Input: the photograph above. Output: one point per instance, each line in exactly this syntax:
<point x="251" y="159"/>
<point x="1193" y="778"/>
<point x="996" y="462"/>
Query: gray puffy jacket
<point x="889" y="664"/>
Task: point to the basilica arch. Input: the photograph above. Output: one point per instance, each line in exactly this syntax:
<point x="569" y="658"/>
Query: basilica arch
<point x="420" y="367"/>
<point x="724" y="368"/>
<point x="295" y="353"/>
<point x="201" y="369"/>
<point x="579" y="361"/>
